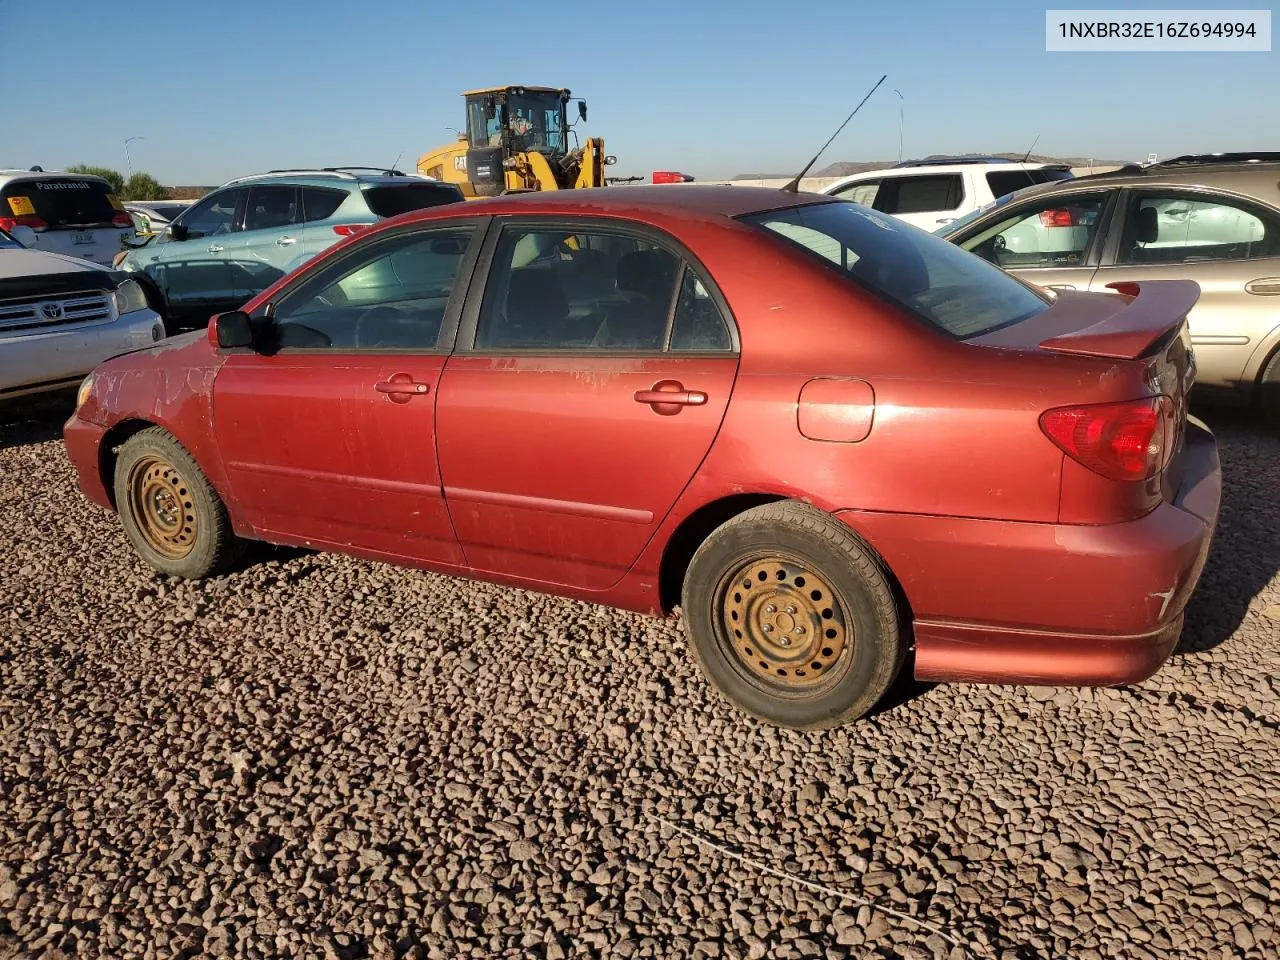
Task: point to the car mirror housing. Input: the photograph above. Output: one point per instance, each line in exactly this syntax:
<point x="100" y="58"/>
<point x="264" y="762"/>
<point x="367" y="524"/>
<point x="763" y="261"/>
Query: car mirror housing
<point x="178" y="231"/>
<point x="233" y="329"/>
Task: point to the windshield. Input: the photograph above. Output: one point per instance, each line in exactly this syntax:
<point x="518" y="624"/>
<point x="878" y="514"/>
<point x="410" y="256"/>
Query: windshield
<point x="950" y="289"/>
<point x="533" y="121"/>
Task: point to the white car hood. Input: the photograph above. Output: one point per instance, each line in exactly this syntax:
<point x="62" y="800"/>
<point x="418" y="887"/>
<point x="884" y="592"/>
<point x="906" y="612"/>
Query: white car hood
<point x="35" y="263"/>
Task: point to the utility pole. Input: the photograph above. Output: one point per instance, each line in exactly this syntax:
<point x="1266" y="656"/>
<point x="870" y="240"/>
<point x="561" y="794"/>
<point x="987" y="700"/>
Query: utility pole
<point x="901" y="111"/>
<point x="128" y="161"/>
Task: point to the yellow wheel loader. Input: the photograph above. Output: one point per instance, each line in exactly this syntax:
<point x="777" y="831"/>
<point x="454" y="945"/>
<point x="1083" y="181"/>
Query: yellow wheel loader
<point x="517" y="140"/>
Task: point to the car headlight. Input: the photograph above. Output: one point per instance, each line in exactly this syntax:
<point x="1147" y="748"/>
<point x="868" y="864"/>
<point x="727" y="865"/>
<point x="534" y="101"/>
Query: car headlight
<point x="86" y="387"/>
<point x="130" y="297"/>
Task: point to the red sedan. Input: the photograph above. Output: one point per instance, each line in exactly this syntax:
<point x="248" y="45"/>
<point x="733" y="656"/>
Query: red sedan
<point x="830" y="438"/>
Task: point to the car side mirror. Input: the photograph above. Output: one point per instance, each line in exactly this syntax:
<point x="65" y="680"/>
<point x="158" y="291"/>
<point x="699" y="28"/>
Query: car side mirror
<point x="178" y="231"/>
<point x="233" y="329"/>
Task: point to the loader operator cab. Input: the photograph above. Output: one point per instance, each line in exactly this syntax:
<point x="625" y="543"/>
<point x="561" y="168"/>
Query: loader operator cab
<point x="505" y="121"/>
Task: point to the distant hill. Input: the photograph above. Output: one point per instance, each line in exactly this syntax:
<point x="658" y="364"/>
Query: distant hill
<point x="187" y="193"/>
<point x="845" y="168"/>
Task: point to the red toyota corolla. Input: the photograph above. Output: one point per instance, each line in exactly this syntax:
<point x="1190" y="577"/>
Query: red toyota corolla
<point x="830" y="438"/>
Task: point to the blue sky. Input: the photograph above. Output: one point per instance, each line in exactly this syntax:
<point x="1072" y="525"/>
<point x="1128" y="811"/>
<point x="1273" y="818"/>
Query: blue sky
<point x="709" y="88"/>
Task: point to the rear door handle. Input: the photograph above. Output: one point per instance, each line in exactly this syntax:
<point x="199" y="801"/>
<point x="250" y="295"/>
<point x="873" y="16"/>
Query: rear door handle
<point x="402" y="388"/>
<point x="285" y="241"/>
<point x="945" y="220"/>
<point x="1264" y="286"/>
<point x="667" y="396"/>
<point x="1061" y="286"/>
<point x="214" y="248"/>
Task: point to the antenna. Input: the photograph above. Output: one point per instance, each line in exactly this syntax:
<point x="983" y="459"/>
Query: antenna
<point x="1030" y="148"/>
<point x="1024" y="159"/>
<point x="794" y="185"/>
<point x="395" y="166"/>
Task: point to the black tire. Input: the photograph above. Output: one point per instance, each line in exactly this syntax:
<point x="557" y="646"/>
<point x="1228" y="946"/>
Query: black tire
<point x="183" y="530"/>
<point x="1269" y="391"/>
<point x="797" y="559"/>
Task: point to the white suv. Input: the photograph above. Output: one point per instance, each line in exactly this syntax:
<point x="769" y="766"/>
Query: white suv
<point x="68" y="213"/>
<point x="931" y="193"/>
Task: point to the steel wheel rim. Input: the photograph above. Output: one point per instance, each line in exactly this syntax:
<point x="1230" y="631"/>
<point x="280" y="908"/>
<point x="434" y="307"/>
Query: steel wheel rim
<point x="783" y="625"/>
<point x="160" y="500"/>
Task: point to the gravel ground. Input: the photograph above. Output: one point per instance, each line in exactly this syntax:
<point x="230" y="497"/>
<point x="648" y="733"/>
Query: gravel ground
<point x="321" y="757"/>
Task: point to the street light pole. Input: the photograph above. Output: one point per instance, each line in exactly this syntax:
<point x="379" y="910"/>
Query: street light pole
<point x="128" y="161"/>
<point x="901" y="111"/>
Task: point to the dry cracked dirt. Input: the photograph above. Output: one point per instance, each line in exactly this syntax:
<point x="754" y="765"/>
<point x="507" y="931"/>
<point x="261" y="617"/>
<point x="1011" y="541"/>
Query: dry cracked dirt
<point x="320" y="757"/>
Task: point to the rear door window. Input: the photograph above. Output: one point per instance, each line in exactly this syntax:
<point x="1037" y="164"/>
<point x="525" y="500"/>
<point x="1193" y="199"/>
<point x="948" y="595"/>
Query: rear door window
<point x="61" y="202"/>
<point x="923" y="194"/>
<point x="951" y="290"/>
<point x="1167" y="228"/>
<point x="319" y="203"/>
<point x="392" y="200"/>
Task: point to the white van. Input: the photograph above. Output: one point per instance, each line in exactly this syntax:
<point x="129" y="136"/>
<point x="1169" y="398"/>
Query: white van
<point x="67" y="213"/>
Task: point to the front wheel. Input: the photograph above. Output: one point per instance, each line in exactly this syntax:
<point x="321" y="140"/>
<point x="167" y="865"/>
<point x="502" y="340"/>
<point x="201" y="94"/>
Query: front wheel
<point x="791" y="616"/>
<point x="169" y="511"/>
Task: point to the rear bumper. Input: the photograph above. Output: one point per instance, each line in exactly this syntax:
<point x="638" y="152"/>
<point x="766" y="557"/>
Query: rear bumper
<point x="1009" y="602"/>
<point x="83" y="443"/>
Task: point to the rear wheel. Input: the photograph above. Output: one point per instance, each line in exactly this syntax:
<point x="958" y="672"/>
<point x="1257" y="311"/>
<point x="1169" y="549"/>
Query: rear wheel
<point x="169" y="511"/>
<point x="792" y="617"/>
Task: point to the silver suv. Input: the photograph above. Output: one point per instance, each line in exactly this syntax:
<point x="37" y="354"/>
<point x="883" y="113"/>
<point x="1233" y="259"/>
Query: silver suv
<point x="1212" y="218"/>
<point x="237" y="240"/>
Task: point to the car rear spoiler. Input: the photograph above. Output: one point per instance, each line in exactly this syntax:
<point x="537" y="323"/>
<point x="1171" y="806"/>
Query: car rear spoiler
<point x="1155" y="310"/>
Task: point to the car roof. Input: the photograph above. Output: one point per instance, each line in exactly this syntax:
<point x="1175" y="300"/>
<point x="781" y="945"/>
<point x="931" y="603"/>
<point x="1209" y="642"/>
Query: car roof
<point x="919" y="169"/>
<point x="331" y="176"/>
<point x="702" y="201"/>
<point x="9" y="176"/>
<point x="1255" y="179"/>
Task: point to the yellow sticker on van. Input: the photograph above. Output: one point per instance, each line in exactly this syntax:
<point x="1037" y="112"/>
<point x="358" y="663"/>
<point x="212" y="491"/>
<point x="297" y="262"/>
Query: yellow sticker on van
<point x="22" y="207"/>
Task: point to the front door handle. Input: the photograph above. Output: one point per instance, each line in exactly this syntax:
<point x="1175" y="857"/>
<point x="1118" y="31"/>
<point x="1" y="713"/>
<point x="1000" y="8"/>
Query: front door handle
<point x="285" y="241"/>
<point x="668" y="396"/>
<point x="214" y="248"/>
<point x="402" y="388"/>
<point x="945" y="220"/>
<point x="1061" y="286"/>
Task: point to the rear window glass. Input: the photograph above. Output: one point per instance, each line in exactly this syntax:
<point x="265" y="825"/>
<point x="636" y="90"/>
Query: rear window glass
<point x="390" y="201"/>
<point x="59" y="202"/>
<point x="1006" y="181"/>
<point x="950" y="289"/>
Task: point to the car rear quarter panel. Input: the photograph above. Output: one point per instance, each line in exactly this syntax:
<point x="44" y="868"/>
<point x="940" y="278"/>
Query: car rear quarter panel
<point x="955" y="427"/>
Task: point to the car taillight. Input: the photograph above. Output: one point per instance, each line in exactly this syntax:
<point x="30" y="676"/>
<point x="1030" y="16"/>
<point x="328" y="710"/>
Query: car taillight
<point x="35" y="223"/>
<point x="350" y="229"/>
<point x="122" y="220"/>
<point x="1057" y="218"/>
<point x="1133" y="440"/>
